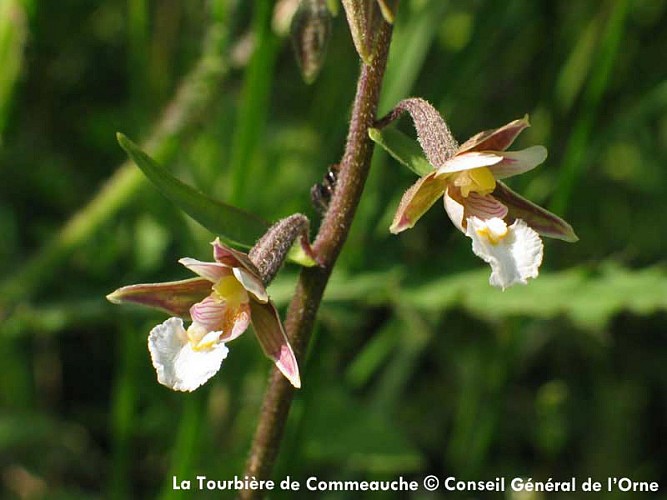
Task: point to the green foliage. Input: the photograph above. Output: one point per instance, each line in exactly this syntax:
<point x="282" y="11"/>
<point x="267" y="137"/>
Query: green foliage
<point x="402" y="148"/>
<point x="230" y="223"/>
<point x="590" y="299"/>
<point x="13" y="30"/>
<point x="417" y="365"/>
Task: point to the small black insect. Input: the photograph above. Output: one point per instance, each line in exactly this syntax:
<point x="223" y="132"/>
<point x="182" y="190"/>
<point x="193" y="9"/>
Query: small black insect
<point x="320" y="193"/>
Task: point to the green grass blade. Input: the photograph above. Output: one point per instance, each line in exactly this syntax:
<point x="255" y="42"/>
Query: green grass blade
<point x="409" y="49"/>
<point x="13" y="35"/>
<point x="196" y="93"/>
<point x="575" y="154"/>
<point x="125" y="396"/>
<point x="187" y="445"/>
<point x="247" y="173"/>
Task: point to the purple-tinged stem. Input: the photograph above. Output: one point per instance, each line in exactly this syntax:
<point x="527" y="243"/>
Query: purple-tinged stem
<point x="328" y="244"/>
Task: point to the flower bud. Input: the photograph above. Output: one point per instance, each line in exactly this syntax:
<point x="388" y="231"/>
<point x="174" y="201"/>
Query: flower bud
<point x="311" y="31"/>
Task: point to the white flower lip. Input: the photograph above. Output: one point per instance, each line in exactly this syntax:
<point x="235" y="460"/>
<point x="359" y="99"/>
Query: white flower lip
<point x="514" y="252"/>
<point x="178" y="365"/>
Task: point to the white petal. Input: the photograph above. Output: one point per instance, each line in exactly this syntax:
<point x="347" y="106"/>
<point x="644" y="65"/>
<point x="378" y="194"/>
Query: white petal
<point x="178" y="366"/>
<point x="514" y="252"/>
<point x="468" y="161"/>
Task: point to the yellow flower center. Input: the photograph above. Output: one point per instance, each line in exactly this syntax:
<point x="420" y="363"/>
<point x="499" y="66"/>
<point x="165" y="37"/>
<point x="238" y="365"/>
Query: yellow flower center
<point x="199" y="338"/>
<point x="479" y="180"/>
<point x="494" y="231"/>
<point x="229" y="289"/>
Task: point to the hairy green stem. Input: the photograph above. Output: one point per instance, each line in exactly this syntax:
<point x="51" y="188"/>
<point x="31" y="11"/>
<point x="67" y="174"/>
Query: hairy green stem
<point x="328" y="244"/>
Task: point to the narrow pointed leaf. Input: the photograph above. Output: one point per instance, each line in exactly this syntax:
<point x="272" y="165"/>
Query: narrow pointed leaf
<point x="230" y="223"/>
<point x="402" y="148"/>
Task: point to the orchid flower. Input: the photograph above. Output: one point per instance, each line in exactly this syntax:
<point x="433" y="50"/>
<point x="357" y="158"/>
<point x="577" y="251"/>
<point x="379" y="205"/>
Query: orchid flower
<point x="503" y="226"/>
<point x="226" y="297"/>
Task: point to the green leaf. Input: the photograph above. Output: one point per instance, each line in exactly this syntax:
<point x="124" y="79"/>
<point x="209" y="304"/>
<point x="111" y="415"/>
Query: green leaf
<point x="404" y="149"/>
<point x="299" y="256"/>
<point x="232" y="224"/>
<point x="590" y="300"/>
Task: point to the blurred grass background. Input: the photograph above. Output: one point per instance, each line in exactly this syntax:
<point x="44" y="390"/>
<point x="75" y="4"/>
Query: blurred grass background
<point x="417" y="365"/>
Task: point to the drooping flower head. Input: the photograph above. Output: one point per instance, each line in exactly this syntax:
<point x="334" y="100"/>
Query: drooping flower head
<point x="503" y="226"/>
<point x="228" y="295"/>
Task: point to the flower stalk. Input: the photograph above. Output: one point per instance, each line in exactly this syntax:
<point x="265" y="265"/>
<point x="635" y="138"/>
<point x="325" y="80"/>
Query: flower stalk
<point x="332" y="234"/>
